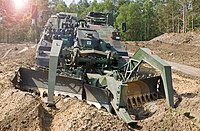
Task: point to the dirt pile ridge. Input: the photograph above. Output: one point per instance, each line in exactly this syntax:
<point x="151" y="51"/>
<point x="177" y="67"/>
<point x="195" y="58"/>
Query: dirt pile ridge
<point x="79" y="116"/>
<point x="13" y="61"/>
<point x="187" y="54"/>
<point x="192" y="38"/>
<point x="175" y="48"/>
<point x="185" y="115"/>
<point x="24" y="111"/>
<point x="19" y="111"/>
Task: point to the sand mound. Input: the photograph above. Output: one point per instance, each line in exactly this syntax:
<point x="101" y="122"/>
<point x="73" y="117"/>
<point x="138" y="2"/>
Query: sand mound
<point x="77" y="115"/>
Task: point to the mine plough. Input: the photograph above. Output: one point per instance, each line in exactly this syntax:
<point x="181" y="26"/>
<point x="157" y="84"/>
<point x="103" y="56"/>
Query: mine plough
<point x="94" y="70"/>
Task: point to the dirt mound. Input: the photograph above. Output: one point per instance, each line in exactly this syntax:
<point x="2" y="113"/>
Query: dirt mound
<point x="185" y="115"/>
<point x="19" y="111"/>
<point x="12" y="60"/>
<point x="14" y="49"/>
<point x="79" y="116"/>
<point x="192" y="38"/>
<point x="183" y="49"/>
<point x="24" y="111"/>
<point x="179" y="53"/>
<point x="169" y="120"/>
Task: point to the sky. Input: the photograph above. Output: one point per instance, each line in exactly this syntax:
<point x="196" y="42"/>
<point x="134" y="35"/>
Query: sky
<point x="70" y="1"/>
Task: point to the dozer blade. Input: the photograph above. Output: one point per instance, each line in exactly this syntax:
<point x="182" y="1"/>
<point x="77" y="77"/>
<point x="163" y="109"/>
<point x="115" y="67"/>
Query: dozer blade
<point x="97" y="96"/>
<point x="142" y="91"/>
<point x="36" y="80"/>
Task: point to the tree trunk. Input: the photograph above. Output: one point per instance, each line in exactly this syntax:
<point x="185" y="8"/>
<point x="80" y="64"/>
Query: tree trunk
<point x="192" y="23"/>
<point x="145" y="29"/>
<point x="185" y="15"/>
<point x="173" y="26"/>
<point x="178" y="25"/>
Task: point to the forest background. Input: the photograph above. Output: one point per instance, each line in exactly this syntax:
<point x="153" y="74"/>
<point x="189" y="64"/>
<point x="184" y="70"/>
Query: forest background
<point x="145" y="19"/>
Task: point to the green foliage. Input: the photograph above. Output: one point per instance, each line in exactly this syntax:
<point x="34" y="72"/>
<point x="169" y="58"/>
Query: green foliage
<point x="145" y="19"/>
<point x="18" y="30"/>
<point x="81" y="7"/>
<point x="140" y="19"/>
<point x="30" y="35"/>
<point x="196" y="6"/>
<point x="94" y="6"/>
<point x="130" y="13"/>
<point x="73" y="8"/>
<point x="168" y="16"/>
<point x="60" y="6"/>
<point x="121" y="2"/>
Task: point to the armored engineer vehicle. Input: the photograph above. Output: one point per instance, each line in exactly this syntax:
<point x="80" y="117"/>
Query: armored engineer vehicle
<point x="94" y="66"/>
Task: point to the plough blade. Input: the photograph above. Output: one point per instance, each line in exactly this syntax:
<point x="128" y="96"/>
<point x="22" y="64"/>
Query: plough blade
<point x="98" y="97"/>
<point x="36" y="80"/>
<point x="142" y="91"/>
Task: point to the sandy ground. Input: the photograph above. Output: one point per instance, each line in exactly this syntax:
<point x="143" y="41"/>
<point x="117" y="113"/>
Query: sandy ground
<point x="24" y="111"/>
<point x="183" y="52"/>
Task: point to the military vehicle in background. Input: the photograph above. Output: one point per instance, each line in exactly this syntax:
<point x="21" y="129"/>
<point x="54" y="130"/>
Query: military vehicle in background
<point x="86" y="60"/>
<point x="103" y="24"/>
